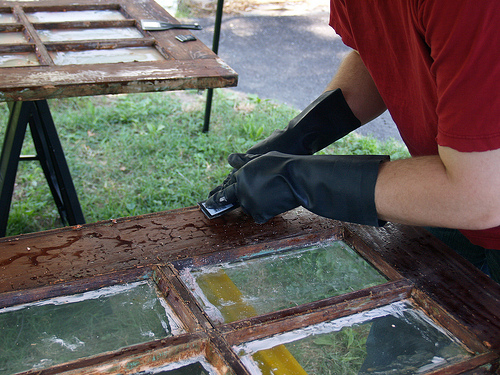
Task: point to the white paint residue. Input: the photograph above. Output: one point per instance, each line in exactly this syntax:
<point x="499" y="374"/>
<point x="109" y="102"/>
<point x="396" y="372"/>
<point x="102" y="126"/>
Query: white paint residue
<point x="172" y="366"/>
<point x="176" y="327"/>
<point x="224" y="65"/>
<point x="252" y="347"/>
<point x="252" y="366"/>
<point x="63" y="300"/>
<point x="212" y="311"/>
<point x="58" y="77"/>
<point x="435" y="362"/>
<point x="73" y="346"/>
<point x="146" y="72"/>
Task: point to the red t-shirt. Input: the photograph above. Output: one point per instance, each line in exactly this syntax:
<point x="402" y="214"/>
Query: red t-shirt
<point x="436" y="65"/>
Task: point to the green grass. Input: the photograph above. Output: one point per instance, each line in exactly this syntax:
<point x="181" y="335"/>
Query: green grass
<point x="143" y="153"/>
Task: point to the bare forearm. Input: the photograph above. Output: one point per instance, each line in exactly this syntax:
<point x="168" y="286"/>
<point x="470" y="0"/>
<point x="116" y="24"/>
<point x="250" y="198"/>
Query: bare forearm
<point x="453" y="189"/>
<point x="358" y="88"/>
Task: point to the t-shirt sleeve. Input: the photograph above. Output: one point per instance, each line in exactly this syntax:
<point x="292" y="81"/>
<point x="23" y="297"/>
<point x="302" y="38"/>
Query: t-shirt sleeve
<point x="464" y="37"/>
<point x="339" y="21"/>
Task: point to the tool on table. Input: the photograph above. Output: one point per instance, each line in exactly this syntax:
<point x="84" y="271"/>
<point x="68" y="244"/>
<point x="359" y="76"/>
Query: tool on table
<point x="212" y="213"/>
<point x="154" y="25"/>
<point x="185" y="38"/>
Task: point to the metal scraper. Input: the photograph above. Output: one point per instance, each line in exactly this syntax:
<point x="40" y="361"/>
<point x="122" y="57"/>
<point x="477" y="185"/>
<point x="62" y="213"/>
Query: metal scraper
<point x="153" y="25"/>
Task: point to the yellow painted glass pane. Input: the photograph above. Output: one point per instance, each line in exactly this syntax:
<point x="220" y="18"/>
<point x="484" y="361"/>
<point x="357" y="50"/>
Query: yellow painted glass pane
<point x="394" y="339"/>
<point x="279" y="279"/>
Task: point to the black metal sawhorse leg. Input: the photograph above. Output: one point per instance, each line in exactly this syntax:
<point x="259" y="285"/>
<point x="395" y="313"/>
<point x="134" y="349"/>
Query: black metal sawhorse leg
<point x="215" y="49"/>
<point x="49" y="153"/>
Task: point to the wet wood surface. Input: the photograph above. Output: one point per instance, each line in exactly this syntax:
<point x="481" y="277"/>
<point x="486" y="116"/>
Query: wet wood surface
<point x="472" y="297"/>
<point x="68" y="254"/>
<point x="189" y="65"/>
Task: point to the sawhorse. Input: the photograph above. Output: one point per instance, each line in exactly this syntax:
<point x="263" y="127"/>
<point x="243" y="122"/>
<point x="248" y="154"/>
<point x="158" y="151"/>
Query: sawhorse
<point x="49" y="153"/>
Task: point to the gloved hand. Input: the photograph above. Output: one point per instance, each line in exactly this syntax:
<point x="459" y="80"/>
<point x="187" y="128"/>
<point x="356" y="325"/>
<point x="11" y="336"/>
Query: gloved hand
<point x="323" y="122"/>
<point x="333" y="186"/>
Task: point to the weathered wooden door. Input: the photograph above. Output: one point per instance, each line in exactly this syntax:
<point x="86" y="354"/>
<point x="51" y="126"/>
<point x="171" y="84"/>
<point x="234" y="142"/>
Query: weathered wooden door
<point x="174" y="291"/>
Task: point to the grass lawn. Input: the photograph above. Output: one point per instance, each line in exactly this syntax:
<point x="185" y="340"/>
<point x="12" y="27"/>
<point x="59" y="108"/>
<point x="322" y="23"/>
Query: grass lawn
<point x="143" y="153"/>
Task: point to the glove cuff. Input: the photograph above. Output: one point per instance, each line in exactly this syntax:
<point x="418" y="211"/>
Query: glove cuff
<point x="339" y="187"/>
<point x="324" y="121"/>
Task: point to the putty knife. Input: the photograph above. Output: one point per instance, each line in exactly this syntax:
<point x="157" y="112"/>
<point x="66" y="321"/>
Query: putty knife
<point x="212" y="213"/>
<point x="152" y="25"/>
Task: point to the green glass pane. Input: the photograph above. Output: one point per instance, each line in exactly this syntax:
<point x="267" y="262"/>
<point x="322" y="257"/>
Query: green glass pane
<point x="280" y="280"/>
<point x="45" y="333"/>
<point x="395" y="339"/>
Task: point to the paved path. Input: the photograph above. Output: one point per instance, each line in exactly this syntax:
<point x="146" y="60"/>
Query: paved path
<point x="289" y="59"/>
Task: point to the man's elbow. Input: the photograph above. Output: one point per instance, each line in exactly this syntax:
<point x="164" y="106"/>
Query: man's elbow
<point x="488" y="217"/>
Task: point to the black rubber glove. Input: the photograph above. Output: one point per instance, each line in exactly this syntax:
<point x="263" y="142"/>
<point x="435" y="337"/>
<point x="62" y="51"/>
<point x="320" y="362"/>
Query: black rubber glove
<point x="323" y="122"/>
<point x="333" y="186"/>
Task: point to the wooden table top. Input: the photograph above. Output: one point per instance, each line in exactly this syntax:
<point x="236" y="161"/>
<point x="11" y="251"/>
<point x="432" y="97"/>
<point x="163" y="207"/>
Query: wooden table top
<point x="63" y="48"/>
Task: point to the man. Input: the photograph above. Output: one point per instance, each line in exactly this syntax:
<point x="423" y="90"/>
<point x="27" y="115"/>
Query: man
<point x="434" y="64"/>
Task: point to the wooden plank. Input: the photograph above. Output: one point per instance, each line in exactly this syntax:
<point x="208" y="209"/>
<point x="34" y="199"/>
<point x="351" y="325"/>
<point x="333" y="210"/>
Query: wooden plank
<point x="315" y="312"/>
<point x="469" y="366"/>
<point x="192" y="317"/>
<point x="79" y="286"/>
<point x="87" y="80"/>
<point x="227" y="353"/>
<point x="65" y="6"/>
<point x="33" y="37"/>
<point x="435" y="269"/>
<point x="69" y="253"/>
<point x="373" y="257"/>
<point x="97" y="44"/>
<point x="135" y="358"/>
<point x="445" y="319"/>
<point x="84" y="24"/>
<point x="271" y="245"/>
<point x="195" y="65"/>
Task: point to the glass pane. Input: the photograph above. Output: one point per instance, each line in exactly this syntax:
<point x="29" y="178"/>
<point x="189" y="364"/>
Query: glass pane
<point x="394" y="339"/>
<point x="108" y="56"/>
<point x="79" y="15"/>
<point x="12" y="38"/>
<point x="279" y="280"/>
<point x="89" y="34"/>
<point x="44" y="333"/>
<point x="194" y="366"/>
<point x="18" y="59"/>
<point x="7" y="18"/>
